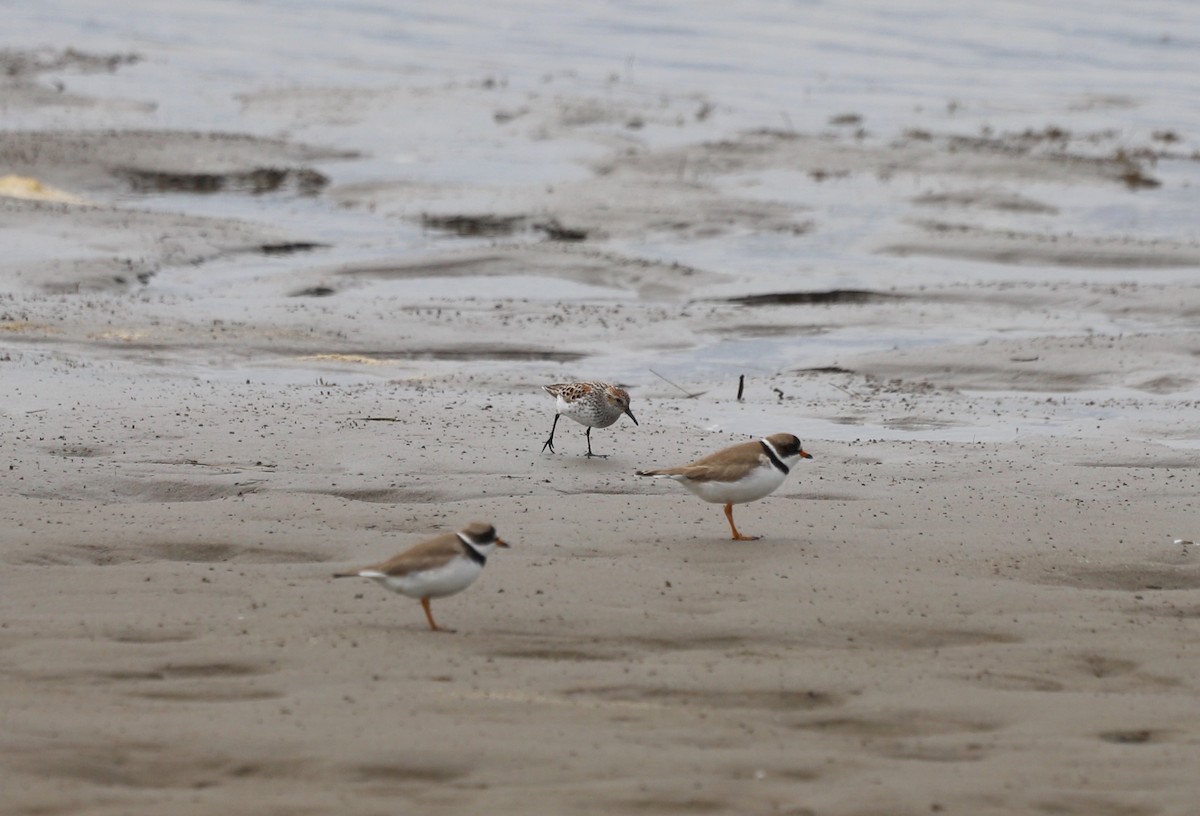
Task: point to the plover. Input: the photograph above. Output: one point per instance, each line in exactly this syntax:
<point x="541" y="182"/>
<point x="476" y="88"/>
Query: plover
<point x="441" y="566"/>
<point x="594" y="404"/>
<point x="739" y="474"/>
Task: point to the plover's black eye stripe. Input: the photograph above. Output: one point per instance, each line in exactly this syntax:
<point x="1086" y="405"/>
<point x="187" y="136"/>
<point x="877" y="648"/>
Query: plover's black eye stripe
<point x="774" y="457"/>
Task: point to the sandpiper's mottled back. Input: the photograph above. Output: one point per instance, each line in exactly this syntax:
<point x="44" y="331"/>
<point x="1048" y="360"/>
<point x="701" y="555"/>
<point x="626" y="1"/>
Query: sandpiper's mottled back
<point x="594" y="404"/>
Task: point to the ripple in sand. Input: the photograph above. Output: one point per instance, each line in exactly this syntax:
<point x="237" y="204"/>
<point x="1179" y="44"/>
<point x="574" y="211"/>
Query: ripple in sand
<point x="771" y="699"/>
<point x="1132" y="737"/>
<point x="152" y="636"/>
<point x="895" y="725"/>
<point x="1131" y="577"/>
<point x="405" y="773"/>
<point x="190" y="552"/>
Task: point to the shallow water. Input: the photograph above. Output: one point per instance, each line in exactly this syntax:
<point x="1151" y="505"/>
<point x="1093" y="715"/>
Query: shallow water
<point x="1008" y="66"/>
<point x="470" y="108"/>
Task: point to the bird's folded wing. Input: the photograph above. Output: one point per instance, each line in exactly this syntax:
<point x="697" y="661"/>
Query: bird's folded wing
<point x="425" y="556"/>
<point x="729" y="463"/>
<point x="709" y="473"/>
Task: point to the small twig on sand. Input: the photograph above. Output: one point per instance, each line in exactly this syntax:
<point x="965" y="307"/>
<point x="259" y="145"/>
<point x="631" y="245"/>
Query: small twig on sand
<point x="741" y="386"/>
<point x="380" y="419"/>
<point x="690" y="395"/>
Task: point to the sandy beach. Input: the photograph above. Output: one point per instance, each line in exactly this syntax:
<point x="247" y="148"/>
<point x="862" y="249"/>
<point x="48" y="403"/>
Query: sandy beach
<point x="242" y="355"/>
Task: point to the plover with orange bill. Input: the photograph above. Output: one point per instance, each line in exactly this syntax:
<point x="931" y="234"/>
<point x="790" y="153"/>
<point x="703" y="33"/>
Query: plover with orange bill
<point x="441" y="566"/>
<point x="742" y="473"/>
<point x="594" y="404"/>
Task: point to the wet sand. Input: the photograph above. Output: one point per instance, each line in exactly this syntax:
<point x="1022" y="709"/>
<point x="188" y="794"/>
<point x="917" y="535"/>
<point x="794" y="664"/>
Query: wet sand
<point x="969" y="601"/>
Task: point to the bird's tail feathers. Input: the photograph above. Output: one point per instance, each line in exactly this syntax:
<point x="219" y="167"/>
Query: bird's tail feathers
<point x="663" y="473"/>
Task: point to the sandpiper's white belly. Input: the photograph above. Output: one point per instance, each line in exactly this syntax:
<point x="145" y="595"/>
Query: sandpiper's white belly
<point x="588" y="410"/>
<point x="448" y="579"/>
<point x="759" y="482"/>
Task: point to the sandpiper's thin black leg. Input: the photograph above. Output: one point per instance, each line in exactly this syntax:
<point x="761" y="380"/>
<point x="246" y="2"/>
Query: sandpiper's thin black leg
<point x="550" y="442"/>
<point x="589" y="441"/>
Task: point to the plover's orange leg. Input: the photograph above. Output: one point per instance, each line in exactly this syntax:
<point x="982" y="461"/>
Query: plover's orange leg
<point x="736" y="535"/>
<point x="429" y="614"/>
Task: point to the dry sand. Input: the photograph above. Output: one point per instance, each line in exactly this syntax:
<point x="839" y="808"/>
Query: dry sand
<point x="988" y="616"/>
